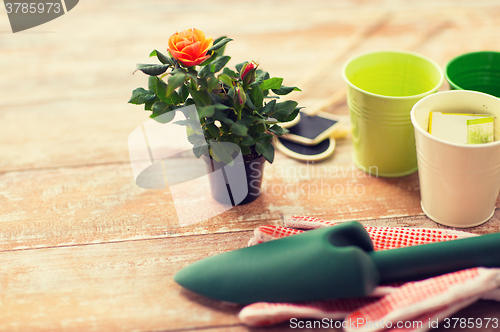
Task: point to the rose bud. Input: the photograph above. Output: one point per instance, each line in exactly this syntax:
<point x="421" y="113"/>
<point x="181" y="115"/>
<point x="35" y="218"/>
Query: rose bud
<point x="240" y="97"/>
<point x="248" y="73"/>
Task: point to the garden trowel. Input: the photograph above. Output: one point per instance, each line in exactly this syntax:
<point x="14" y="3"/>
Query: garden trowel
<point x="328" y="263"/>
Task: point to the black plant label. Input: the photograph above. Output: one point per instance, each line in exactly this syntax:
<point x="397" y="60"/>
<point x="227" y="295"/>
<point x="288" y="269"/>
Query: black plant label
<point x="26" y="14"/>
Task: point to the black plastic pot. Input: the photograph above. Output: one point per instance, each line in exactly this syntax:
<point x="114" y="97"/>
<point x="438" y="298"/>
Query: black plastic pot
<point x="235" y="184"/>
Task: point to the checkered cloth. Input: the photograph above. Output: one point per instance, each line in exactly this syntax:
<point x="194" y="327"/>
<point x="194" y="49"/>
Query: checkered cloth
<point x="404" y="306"/>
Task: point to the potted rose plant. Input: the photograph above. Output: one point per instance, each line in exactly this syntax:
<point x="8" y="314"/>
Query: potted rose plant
<point x="237" y="106"/>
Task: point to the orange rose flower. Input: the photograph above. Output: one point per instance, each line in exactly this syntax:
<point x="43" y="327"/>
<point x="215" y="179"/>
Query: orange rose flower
<point x="189" y="47"/>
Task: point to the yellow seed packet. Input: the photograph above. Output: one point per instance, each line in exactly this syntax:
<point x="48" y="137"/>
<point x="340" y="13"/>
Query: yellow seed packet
<point x="462" y="128"/>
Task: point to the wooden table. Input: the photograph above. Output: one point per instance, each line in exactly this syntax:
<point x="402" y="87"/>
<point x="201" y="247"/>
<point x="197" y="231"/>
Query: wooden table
<point x="82" y="248"/>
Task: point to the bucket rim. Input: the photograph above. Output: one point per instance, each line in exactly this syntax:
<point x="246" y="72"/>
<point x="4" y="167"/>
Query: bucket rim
<point x="458" y="58"/>
<point x="426" y="134"/>
<point x="418" y="96"/>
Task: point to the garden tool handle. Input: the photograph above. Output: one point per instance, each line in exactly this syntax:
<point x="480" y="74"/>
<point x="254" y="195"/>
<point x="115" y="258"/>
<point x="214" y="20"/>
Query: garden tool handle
<point x="430" y="260"/>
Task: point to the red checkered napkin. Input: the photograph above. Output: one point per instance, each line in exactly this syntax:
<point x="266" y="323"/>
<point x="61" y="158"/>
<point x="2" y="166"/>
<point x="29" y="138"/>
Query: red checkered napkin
<point x="422" y="301"/>
<point x="382" y="237"/>
<point x="263" y="313"/>
<point x="416" y="304"/>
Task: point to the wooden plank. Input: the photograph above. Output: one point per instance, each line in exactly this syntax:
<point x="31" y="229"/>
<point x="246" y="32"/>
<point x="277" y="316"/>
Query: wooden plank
<point x="118" y="286"/>
<point x="106" y="248"/>
<point x="77" y="101"/>
<point x="93" y="204"/>
<point x="67" y="133"/>
<point x="121" y="287"/>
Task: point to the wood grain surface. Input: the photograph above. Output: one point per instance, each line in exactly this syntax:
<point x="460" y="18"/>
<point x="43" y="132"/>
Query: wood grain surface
<point x="83" y="248"/>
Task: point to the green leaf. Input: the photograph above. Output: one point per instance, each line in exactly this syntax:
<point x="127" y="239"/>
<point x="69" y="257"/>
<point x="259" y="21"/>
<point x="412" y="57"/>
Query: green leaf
<point x="189" y="123"/>
<point x="222" y="116"/>
<point x="212" y="83"/>
<point x="231" y="139"/>
<point x="209" y="60"/>
<point x="164" y="118"/>
<point x="252" y="130"/>
<point x="163" y="59"/>
<point x="153" y="70"/>
<point x="141" y="96"/>
<point x="239" y="66"/>
<point x="245" y="150"/>
<point x="148" y="105"/>
<point x="264" y="138"/>
<point x="239" y="129"/>
<point x="226" y="79"/>
<point x="179" y="70"/>
<point x="263" y="73"/>
<point x="215" y="66"/>
<point x="219" y="39"/>
<point x="160" y="108"/>
<point x="284" y="90"/>
<point x="221" y="107"/>
<point x="247" y="120"/>
<point x="277" y="130"/>
<point x="174" y="82"/>
<point x="193" y="75"/>
<point x="257" y="96"/>
<point x="201" y="98"/>
<point x="184" y="92"/>
<point x="152" y="83"/>
<point x="261" y="128"/>
<point x="219" y="43"/>
<point x="267" y="150"/>
<point x="213" y="130"/>
<point x="203" y="82"/>
<point x="174" y="99"/>
<point x="205" y="111"/>
<point x="259" y="116"/>
<point x="224" y="128"/>
<point x="292" y="115"/>
<point x="200" y="148"/>
<point x="220" y="62"/>
<point x="161" y="90"/>
<point x="249" y="104"/>
<point x="205" y="71"/>
<point x="194" y="138"/>
<point x="226" y="121"/>
<point x="229" y="72"/>
<point x="272" y="83"/>
<point x="261" y="77"/>
<point x="283" y="110"/>
<point x="247" y="141"/>
<point x="269" y="107"/>
<point x="222" y="151"/>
